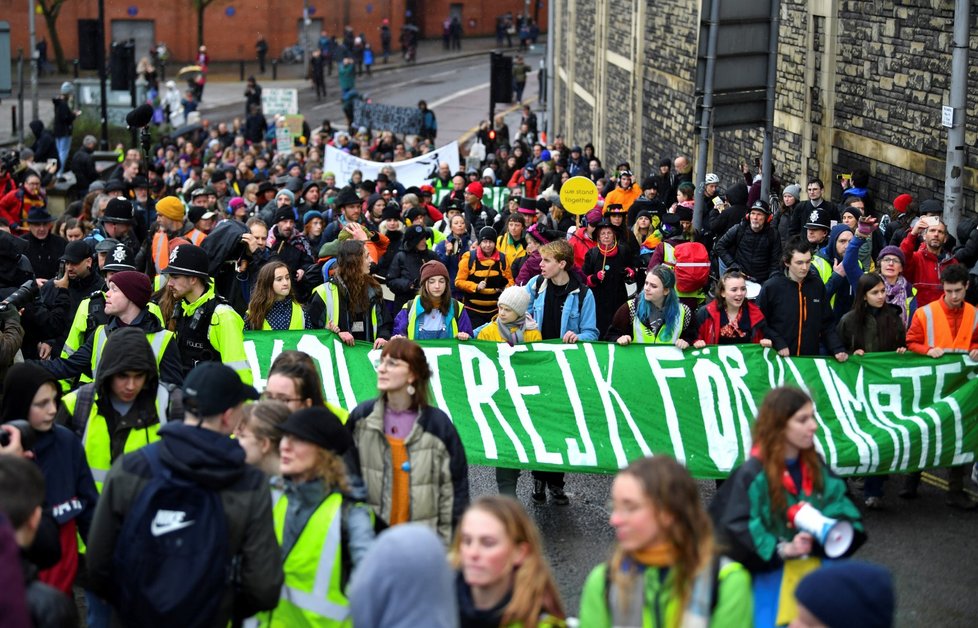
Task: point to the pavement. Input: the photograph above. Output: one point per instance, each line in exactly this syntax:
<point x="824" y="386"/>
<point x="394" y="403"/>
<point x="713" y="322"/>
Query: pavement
<point x="225" y="87"/>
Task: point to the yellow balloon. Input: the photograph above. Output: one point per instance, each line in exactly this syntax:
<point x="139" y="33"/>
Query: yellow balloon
<point x="578" y="195"/>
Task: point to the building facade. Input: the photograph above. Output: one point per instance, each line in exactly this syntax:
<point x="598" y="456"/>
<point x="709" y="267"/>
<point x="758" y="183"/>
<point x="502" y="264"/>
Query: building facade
<point x="860" y="85"/>
<point x="232" y="27"/>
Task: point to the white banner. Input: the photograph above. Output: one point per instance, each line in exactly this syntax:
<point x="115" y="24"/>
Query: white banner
<point x="417" y="171"/>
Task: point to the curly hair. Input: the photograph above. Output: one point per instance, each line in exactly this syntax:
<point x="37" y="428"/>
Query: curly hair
<point x="534" y="589"/>
<point x="776" y="410"/>
<point x="684" y="523"/>
<point x="349" y="269"/>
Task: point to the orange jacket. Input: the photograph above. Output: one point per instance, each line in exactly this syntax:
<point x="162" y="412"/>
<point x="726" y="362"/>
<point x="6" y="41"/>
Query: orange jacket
<point x="937" y="325"/>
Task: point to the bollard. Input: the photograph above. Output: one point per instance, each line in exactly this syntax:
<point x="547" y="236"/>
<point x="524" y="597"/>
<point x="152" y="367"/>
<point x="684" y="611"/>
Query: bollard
<point x="13" y="120"/>
<point x="75" y="64"/>
<point x="274" y="69"/>
<point x="241" y="67"/>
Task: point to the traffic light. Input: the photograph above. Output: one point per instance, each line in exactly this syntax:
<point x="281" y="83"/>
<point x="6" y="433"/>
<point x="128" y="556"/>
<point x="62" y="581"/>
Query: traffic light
<point x="122" y="64"/>
<point x="492" y="134"/>
<point x="501" y="78"/>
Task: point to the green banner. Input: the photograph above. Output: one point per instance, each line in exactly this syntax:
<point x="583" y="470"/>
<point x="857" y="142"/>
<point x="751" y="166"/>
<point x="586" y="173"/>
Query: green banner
<point x="593" y="407"/>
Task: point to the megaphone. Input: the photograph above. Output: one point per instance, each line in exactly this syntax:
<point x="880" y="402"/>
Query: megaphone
<point x="834" y="536"/>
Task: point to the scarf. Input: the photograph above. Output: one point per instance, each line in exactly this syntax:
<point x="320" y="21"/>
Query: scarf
<point x="732" y="329"/>
<point x="897" y="293"/>
<point x="512" y="332"/>
<point x="658" y="555"/>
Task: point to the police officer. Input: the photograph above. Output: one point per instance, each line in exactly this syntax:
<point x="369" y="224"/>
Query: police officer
<point x="207" y="328"/>
<point x="126" y="305"/>
<point x="90" y="313"/>
<point x="117" y="222"/>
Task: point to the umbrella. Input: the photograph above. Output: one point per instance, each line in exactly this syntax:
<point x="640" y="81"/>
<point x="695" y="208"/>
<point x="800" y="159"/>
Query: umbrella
<point x="410" y="27"/>
<point x="185" y="130"/>
<point x="190" y="72"/>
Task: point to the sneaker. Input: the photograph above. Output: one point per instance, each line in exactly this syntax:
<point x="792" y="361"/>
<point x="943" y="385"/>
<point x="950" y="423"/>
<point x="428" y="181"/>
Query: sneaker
<point x="558" y="496"/>
<point x="874" y="503"/>
<point x="539" y="495"/>
<point x="960" y="500"/>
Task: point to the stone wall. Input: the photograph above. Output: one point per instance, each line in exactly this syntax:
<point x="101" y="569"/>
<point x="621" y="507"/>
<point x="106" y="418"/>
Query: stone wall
<point x="860" y="84"/>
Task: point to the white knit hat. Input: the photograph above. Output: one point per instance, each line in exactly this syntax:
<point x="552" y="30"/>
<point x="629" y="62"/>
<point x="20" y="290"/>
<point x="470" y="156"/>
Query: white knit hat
<point x="515" y="298"/>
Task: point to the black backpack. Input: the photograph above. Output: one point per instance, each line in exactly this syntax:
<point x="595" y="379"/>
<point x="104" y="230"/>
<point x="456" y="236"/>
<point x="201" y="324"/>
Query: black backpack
<point x="171" y="565"/>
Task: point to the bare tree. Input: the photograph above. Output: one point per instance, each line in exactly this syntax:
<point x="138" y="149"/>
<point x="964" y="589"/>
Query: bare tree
<point x="50" y="9"/>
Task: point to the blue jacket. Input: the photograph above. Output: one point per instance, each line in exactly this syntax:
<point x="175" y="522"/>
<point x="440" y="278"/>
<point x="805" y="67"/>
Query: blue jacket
<point x="578" y="318"/>
<point x="68" y="485"/>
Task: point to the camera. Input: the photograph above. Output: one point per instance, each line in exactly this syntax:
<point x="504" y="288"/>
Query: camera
<point x="27" y="434"/>
<point x="9" y="160"/>
<point x="20" y="297"/>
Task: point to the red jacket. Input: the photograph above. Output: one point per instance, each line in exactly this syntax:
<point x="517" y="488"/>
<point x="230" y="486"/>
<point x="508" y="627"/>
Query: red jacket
<point x="709" y="323"/>
<point x="582" y="243"/>
<point x="923" y="269"/>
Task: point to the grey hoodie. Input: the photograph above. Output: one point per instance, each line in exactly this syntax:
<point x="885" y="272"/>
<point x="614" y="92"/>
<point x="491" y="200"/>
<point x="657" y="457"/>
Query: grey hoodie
<point x="404" y="581"/>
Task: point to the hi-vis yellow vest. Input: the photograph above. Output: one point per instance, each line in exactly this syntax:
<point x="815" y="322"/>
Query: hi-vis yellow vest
<point x="296" y="321"/>
<point x="312" y="594"/>
<point x="158" y="342"/>
<point x="644" y="335"/>
<point x="96" y="440"/>
<point x="416" y="308"/>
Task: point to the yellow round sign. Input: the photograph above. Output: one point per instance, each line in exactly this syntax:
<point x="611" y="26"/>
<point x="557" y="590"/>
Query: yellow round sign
<point x="578" y="195"/>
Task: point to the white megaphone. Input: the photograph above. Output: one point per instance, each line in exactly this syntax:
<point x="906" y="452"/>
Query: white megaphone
<point x="834" y="536"/>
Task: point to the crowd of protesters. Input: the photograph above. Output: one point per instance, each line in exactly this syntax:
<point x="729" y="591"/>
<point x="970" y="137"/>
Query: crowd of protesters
<point x="147" y="282"/>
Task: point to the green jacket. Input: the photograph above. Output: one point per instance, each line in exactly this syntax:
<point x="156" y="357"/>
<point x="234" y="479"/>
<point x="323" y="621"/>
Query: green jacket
<point x="745" y="524"/>
<point x="734" y="602"/>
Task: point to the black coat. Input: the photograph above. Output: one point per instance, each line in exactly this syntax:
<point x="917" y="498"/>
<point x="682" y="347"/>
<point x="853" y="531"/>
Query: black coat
<point x="781" y="301"/>
<point x="45" y="255"/>
<point x="83" y="167"/>
<point x="756" y="254"/>
<point x="405" y="273"/>
<point x="44" y="147"/>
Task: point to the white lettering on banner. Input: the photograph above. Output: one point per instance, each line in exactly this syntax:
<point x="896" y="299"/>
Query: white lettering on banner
<point x="832" y="456"/>
<point x="843" y="405"/>
<point x="915" y="374"/>
<point x="432" y="354"/>
<point x="960" y="457"/>
<point x="480" y="393"/>
<point x="869" y="396"/>
<point x="607" y="393"/>
<point x="885" y="409"/>
<point x="587" y="457"/>
<point x="721" y="435"/>
<point x="656" y="355"/>
<point x="322" y="355"/>
<point x="735" y="369"/>
<point x="255" y="365"/>
<point x="344" y="374"/>
<point x="516" y="393"/>
<point x="416" y="171"/>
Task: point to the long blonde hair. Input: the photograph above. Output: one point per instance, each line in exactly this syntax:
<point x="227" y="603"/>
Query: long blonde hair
<point x="673" y="493"/>
<point x="534" y="590"/>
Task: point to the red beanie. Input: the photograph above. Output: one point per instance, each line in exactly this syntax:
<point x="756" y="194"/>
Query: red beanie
<point x="902" y="202"/>
<point x="475" y="188"/>
<point x="135" y="285"/>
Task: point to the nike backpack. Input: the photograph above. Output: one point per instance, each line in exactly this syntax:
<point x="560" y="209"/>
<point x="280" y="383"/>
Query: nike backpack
<point x="171" y="565"/>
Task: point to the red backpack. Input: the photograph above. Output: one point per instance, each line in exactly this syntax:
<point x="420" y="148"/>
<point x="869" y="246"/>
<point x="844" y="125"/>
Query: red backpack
<point x="692" y="266"/>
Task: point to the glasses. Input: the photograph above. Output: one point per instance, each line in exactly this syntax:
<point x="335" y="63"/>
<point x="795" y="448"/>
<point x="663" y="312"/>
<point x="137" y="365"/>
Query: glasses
<point x="890" y="260"/>
<point x="282" y="398"/>
<point x="390" y="363"/>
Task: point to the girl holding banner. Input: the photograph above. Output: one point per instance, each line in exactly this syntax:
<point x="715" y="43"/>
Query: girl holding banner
<point x="656" y="316"/>
<point x="731" y="319"/>
<point x="433" y="314"/>
<point x="765" y="511"/>
<point x="273" y="305"/>
<point x="664" y="571"/>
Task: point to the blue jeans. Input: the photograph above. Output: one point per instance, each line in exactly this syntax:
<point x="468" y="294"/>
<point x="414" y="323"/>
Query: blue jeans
<point x="63" y="145"/>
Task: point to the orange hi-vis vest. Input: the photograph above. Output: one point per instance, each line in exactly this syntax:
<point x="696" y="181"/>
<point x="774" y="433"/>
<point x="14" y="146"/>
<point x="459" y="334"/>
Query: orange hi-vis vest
<point x="938" y="329"/>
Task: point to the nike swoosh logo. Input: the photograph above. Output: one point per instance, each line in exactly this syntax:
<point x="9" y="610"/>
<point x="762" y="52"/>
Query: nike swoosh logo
<point x="158" y="529"/>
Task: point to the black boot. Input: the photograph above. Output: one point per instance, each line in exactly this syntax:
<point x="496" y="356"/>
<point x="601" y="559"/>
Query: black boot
<point x="539" y="492"/>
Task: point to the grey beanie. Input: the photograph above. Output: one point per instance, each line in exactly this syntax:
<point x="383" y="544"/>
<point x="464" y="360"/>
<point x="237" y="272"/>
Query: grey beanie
<point x="287" y="193"/>
<point x="794" y="190"/>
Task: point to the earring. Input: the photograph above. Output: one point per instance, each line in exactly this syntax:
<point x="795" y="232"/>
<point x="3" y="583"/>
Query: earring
<point x="411" y="390"/>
